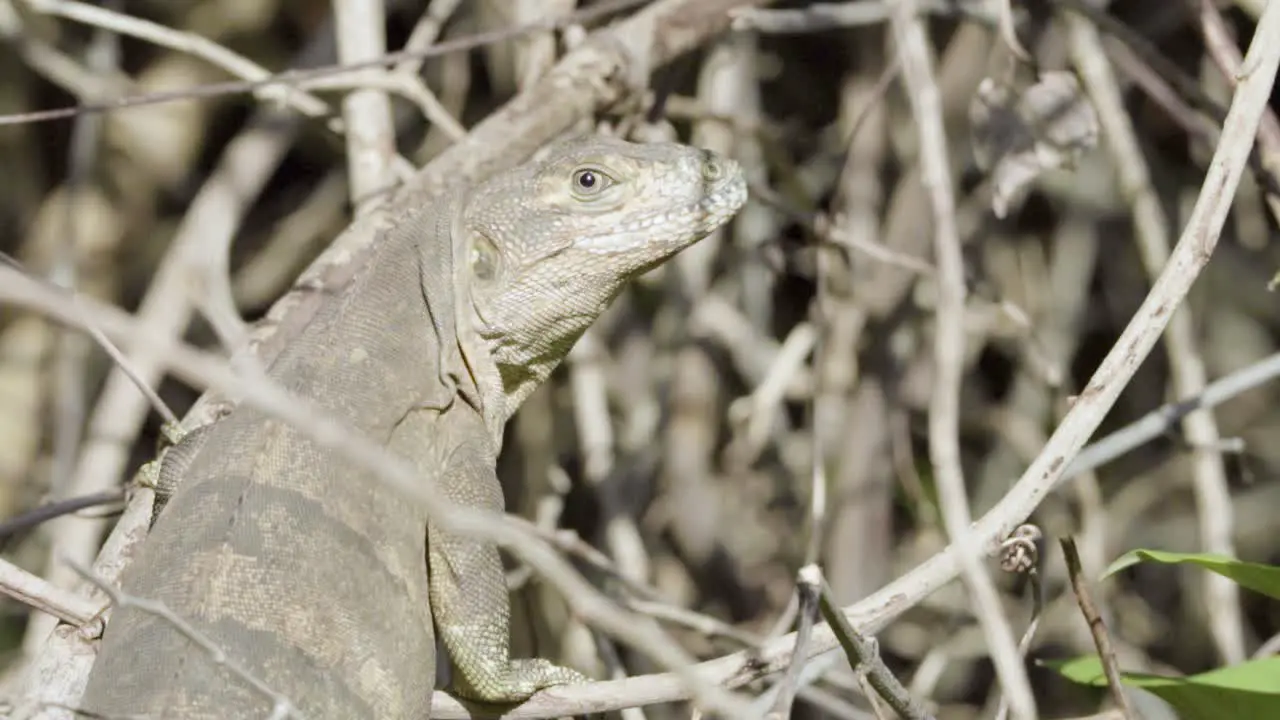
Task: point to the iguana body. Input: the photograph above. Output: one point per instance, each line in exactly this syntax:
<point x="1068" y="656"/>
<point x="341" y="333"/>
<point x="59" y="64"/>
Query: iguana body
<point x="321" y="582"/>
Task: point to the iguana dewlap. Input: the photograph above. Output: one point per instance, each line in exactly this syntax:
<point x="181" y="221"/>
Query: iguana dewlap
<point x="326" y="586"/>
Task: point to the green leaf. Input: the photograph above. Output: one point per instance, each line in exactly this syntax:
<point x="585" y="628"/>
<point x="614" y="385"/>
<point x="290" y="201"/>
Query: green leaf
<point x="1264" y="579"/>
<point x="1247" y="690"/>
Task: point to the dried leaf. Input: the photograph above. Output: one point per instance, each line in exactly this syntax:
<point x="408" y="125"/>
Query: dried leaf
<point x="1018" y="138"/>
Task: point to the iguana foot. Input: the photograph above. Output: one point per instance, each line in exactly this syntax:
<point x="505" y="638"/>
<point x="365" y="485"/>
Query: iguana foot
<point x="516" y="682"/>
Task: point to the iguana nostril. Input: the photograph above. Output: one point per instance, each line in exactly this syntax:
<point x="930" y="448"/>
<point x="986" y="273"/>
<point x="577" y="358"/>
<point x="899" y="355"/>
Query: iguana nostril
<point x="712" y="170"/>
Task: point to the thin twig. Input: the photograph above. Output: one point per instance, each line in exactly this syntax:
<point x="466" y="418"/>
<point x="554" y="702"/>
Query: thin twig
<point x="863" y="655"/>
<point x="1097" y="627"/>
<point x="112" y="350"/>
<point x="808" y="584"/>
<point x="949" y="358"/>
<point x="38" y="593"/>
<point x="817" y="17"/>
<point x="1268" y="648"/>
<point x="289" y="80"/>
<point x="1221" y="46"/>
<point x="371" y="144"/>
<point x="26" y="521"/>
<point x="233" y="63"/>
<point x="1166" y="418"/>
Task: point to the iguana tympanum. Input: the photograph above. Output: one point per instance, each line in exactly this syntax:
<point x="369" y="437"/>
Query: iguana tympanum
<point x="323" y="583"/>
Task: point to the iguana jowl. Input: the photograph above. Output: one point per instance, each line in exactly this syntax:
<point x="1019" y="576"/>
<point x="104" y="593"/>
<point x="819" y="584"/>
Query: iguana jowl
<point x="322" y="582"/>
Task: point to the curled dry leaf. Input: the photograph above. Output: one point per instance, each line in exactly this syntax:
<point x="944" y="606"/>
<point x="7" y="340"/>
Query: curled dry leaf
<point x="1018" y="137"/>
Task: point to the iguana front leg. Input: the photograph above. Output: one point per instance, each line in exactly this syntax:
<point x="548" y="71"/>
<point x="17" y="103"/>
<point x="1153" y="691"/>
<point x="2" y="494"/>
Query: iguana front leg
<point x="163" y="474"/>
<point x="468" y="592"/>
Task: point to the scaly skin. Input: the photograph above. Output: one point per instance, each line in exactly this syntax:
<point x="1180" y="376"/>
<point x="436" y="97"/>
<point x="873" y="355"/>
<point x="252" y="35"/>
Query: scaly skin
<point x="310" y="574"/>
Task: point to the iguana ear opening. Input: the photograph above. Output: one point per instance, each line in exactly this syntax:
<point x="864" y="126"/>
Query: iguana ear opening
<point x="484" y="260"/>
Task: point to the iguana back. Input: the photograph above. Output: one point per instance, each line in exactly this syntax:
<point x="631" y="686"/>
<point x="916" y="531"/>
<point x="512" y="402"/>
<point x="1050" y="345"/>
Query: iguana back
<point x="295" y="563"/>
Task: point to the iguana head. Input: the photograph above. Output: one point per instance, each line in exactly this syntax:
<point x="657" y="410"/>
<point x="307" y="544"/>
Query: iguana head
<point x="548" y="246"/>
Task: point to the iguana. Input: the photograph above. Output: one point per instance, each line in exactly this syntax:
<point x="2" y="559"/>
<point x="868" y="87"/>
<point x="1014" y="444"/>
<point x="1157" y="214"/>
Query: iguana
<point x="323" y="583"/>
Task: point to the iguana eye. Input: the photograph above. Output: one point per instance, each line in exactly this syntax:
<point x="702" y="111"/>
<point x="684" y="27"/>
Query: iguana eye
<point x="590" y="181"/>
<point x="484" y="258"/>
